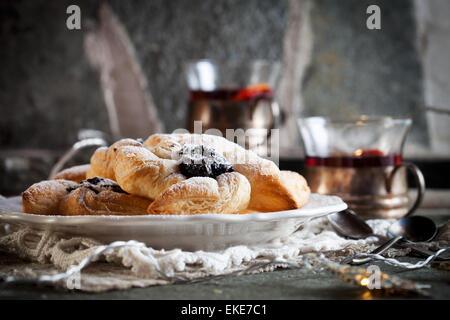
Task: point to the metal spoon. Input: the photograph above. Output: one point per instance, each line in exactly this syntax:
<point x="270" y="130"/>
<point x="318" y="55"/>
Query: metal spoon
<point x="348" y="224"/>
<point x="415" y="229"/>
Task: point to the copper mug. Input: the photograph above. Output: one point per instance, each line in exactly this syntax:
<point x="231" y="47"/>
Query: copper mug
<point x="225" y="96"/>
<point x="361" y="161"/>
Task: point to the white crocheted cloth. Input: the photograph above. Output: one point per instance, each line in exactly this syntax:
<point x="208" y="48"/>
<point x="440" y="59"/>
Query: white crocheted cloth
<point x="28" y="253"/>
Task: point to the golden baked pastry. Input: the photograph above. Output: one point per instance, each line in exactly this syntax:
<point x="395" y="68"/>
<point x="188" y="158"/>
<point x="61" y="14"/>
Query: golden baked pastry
<point x="103" y="159"/>
<point x="96" y="196"/>
<point x="271" y="189"/>
<point x="75" y="173"/>
<point x="230" y="193"/>
<point x="169" y="174"/>
<point x="140" y="172"/>
<point x="43" y="197"/>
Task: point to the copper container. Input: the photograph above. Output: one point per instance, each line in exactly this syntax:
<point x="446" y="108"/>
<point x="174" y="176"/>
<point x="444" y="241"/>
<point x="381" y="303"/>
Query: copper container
<point x="380" y="192"/>
<point x="361" y="161"/>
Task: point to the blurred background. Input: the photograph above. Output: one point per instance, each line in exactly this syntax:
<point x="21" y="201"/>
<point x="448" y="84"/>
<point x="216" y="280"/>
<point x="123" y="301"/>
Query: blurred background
<point x="51" y="85"/>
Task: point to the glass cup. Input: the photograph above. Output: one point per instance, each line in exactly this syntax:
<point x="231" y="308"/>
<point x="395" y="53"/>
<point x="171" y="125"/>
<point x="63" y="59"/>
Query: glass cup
<point x="225" y="96"/>
<point x="361" y="161"/>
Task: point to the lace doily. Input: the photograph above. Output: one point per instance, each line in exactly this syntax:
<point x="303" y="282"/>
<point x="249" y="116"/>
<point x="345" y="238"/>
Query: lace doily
<point x="47" y="253"/>
<point x="29" y="253"/>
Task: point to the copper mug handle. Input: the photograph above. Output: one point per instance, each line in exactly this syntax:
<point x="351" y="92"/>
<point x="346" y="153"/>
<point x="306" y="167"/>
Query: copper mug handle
<point x="419" y="180"/>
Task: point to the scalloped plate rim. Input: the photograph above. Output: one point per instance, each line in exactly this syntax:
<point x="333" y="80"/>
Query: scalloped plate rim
<point x="334" y="204"/>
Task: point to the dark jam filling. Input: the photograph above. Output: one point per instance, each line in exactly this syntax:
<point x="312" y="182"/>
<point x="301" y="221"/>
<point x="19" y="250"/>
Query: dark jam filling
<point x="202" y="161"/>
<point x="98" y="184"/>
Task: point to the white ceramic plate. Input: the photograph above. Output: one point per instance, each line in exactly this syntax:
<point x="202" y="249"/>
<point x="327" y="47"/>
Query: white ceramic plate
<point x="188" y="232"/>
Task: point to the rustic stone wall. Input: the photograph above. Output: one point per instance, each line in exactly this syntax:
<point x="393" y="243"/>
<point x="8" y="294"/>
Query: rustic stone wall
<point x="434" y="48"/>
<point x="355" y="70"/>
<point x="48" y="90"/>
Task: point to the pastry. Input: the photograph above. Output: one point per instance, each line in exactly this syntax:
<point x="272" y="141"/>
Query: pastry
<point x="140" y="172"/>
<point x="197" y="181"/>
<point x="96" y="196"/>
<point x="271" y="189"/>
<point x="103" y="160"/>
<point x="170" y="175"/>
<point x="229" y="193"/>
<point x="76" y="173"/>
<point x="43" y="197"/>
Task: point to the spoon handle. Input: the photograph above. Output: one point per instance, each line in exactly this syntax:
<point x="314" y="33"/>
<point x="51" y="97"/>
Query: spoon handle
<point x="418" y="250"/>
<point x="407" y="244"/>
<point x="380" y="250"/>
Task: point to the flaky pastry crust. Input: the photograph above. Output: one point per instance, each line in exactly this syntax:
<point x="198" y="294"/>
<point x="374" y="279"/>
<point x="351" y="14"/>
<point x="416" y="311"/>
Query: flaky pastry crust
<point x="43" y="197"/>
<point x="104" y="158"/>
<point x="63" y="197"/>
<point x="141" y="172"/>
<point x="138" y="171"/>
<point x="75" y="173"/>
<point x="271" y="189"/>
<point x="229" y="193"/>
<point x="145" y="178"/>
